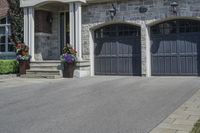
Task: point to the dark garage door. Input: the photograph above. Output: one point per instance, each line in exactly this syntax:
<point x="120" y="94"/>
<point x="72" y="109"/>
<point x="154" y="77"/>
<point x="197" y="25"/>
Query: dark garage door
<point x="117" y="50"/>
<point x="175" y="48"/>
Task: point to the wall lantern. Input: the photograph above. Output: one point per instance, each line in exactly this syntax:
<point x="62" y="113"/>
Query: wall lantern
<point x="142" y="9"/>
<point x="50" y="18"/>
<point x="174" y="5"/>
<point x="113" y="11"/>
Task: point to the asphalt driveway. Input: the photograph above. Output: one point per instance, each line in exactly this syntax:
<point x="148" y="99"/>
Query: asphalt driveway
<point x="91" y="105"/>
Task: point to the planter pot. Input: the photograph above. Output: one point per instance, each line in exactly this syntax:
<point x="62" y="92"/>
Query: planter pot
<point x="68" y="71"/>
<point x="23" y="65"/>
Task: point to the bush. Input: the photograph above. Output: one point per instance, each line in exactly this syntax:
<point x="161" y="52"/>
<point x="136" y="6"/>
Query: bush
<point x="8" y="66"/>
<point x="196" y="128"/>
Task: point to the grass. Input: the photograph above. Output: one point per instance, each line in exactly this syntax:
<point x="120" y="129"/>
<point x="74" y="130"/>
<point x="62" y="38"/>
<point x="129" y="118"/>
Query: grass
<point x="196" y="128"/>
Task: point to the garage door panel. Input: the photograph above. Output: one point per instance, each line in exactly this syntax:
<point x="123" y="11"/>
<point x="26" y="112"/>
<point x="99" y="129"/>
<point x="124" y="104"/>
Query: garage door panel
<point x="118" y="53"/>
<point x="177" y="53"/>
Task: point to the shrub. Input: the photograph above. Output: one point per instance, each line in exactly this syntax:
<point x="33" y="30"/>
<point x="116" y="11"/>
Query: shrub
<point x="8" y="66"/>
<point x="196" y="128"/>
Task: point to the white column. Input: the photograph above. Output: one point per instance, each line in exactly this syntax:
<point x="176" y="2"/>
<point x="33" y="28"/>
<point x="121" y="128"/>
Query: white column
<point x="78" y="29"/>
<point x="26" y="24"/>
<point x="31" y="32"/>
<point x="148" y="52"/>
<point x="71" y="23"/>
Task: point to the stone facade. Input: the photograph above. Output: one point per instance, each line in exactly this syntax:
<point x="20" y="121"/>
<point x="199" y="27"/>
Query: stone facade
<point x="96" y="15"/>
<point x="47" y="45"/>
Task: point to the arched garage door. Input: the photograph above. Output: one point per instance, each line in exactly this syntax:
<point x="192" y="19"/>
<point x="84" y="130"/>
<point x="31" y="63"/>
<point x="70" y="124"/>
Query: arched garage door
<point x="175" y="48"/>
<point x="117" y="50"/>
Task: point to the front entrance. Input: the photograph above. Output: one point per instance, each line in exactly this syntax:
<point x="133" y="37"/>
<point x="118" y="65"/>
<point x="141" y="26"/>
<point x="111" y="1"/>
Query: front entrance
<point x="64" y="30"/>
<point x="175" y="48"/>
<point x="118" y="50"/>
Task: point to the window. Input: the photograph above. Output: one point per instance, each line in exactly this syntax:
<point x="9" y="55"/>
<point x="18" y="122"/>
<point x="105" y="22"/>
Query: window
<point x="5" y="31"/>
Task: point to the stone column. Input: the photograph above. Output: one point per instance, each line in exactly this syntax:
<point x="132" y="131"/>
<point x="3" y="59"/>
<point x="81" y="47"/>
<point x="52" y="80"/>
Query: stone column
<point x="29" y="30"/>
<point x="145" y="50"/>
<point x="72" y="23"/>
<point x="78" y="29"/>
<point x="148" y="52"/>
<point x="26" y="29"/>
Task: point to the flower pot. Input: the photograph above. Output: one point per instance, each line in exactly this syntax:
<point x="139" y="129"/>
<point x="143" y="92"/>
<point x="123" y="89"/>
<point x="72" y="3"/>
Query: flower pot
<point x="22" y="67"/>
<point x="68" y="71"/>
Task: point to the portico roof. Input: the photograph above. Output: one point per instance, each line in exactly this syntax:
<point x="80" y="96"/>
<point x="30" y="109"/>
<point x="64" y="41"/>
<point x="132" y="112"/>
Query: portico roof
<point x="28" y="3"/>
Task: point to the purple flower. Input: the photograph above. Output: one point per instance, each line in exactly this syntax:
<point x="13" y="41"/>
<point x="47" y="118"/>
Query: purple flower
<point x="69" y="58"/>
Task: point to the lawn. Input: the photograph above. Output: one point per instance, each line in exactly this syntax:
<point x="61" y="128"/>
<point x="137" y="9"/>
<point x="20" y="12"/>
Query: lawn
<point x="196" y="128"/>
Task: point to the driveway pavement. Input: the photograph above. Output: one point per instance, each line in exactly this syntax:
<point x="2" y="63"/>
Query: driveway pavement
<point x="91" y="105"/>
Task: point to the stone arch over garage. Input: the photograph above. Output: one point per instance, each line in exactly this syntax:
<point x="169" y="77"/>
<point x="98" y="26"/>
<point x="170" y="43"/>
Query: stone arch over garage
<point x="113" y="42"/>
<point x="175" y="47"/>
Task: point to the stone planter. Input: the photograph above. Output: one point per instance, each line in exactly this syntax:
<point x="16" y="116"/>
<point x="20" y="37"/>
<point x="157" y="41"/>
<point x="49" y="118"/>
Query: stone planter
<point x="23" y="65"/>
<point x="68" y="71"/>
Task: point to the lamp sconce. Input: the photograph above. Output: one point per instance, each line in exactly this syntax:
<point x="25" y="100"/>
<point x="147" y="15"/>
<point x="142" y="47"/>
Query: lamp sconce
<point x="143" y="9"/>
<point x="112" y="11"/>
<point x="50" y="18"/>
<point x="174" y="5"/>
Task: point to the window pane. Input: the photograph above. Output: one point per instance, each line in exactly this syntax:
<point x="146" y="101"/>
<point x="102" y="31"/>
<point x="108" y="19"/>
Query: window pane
<point x="3" y="21"/>
<point x="11" y="48"/>
<point x="2" y="30"/>
<point x="2" y="39"/>
<point x="2" y="48"/>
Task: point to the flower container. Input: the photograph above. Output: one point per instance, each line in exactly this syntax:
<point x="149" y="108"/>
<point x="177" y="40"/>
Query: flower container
<point x="23" y="66"/>
<point x="68" y="71"/>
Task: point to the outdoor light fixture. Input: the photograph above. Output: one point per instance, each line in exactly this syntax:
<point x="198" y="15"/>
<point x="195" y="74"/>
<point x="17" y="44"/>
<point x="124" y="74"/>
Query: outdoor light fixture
<point x="113" y="11"/>
<point x="50" y="18"/>
<point x="174" y="5"/>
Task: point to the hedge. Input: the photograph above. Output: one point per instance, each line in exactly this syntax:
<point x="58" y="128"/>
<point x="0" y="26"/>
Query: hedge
<point x="196" y="128"/>
<point x="8" y="66"/>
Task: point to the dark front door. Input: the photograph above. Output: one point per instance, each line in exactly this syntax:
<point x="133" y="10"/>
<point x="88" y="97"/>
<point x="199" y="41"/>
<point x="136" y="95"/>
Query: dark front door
<point x="64" y="30"/>
<point x="175" y="48"/>
<point x="118" y="50"/>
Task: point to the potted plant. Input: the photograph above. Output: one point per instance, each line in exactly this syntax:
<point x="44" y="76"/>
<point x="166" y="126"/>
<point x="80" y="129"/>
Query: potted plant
<point x="68" y="59"/>
<point x="23" y="57"/>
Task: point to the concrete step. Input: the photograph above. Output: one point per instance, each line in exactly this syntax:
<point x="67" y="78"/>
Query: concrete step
<point x="43" y="72"/>
<point x="40" y="76"/>
<point x="45" y="67"/>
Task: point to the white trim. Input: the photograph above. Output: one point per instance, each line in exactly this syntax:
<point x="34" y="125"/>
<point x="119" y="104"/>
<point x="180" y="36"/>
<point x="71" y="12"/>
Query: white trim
<point x="78" y="29"/>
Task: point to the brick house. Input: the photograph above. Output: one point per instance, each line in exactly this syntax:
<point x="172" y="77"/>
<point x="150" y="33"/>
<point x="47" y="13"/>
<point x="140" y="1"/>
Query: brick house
<point x="6" y="47"/>
<point x="117" y="37"/>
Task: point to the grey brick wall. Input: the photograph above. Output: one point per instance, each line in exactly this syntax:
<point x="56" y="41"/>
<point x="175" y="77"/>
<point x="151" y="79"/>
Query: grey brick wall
<point x="95" y="15"/>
